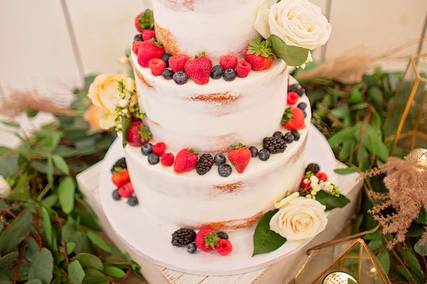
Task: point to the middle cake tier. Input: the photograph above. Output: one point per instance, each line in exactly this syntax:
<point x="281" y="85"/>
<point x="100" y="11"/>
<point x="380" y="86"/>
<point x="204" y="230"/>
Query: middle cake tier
<point x="211" y="117"/>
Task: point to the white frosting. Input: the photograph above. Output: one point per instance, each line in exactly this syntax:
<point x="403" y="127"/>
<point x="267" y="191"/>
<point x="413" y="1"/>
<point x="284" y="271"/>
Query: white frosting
<point x="218" y="27"/>
<point x="179" y="117"/>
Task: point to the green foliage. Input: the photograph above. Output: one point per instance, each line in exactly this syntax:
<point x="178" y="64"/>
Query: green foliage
<point x="265" y="240"/>
<point x="292" y="55"/>
<point x="331" y="201"/>
<point x="48" y="234"/>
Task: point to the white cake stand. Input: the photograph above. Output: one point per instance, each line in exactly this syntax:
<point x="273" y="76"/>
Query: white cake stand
<point x="151" y="238"/>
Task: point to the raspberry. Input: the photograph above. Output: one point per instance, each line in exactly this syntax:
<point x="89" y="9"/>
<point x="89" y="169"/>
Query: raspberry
<point x="135" y="47"/>
<point x="148" y="34"/>
<point x="126" y="190"/>
<point x="159" y="149"/>
<point x="177" y="62"/>
<point x="167" y="159"/>
<point x="157" y="66"/>
<point x="305" y="186"/>
<point x="322" y="176"/>
<point x="224" y="247"/>
<point x="296" y="88"/>
<point x="228" y="62"/>
<point x="243" y="68"/>
<point x="292" y="98"/>
<point x="206" y="239"/>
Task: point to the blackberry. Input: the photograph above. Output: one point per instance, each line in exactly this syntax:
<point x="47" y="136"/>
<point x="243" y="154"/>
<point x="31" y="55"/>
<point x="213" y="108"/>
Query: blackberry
<point x="222" y="235"/>
<point x="229" y="75"/>
<point x="296" y="135"/>
<point x="225" y="170"/>
<point x="302" y="106"/>
<point x="138" y="37"/>
<point x="191" y="248"/>
<point x="254" y="151"/>
<point x="216" y="72"/>
<point x="132" y="201"/>
<point x="167" y="74"/>
<point x="263" y="155"/>
<point x="153" y="159"/>
<point x="180" y="77"/>
<point x="219" y="159"/>
<point x="297" y="89"/>
<point x="165" y="58"/>
<point x="183" y="237"/>
<point x="120" y="163"/>
<point x="313" y="167"/>
<point x="288" y="137"/>
<point x="116" y="195"/>
<point x="146" y="149"/>
<point x="278" y="134"/>
<point x="274" y="145"/>
<point x="204" y="164"/>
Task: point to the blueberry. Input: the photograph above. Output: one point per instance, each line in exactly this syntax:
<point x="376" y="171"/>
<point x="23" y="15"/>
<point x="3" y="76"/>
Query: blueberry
<point x="146" y="149"/>
<point x="224" y="170"/>
<point x="222" y="235"/>
<point x="138" y="37"/>
<point x="313" y="167"/>
<point x="229" y="75"/>
<point x="219" y="159"/>
<point x="191" y="248"/>
<point x="216" y="72"/>
<point x="254" y="151"/>
<point x="296" y="135"/>
<point x="278" y="134"/>
<point x="180" y="77"/>
<point x="289" y="137"/>
<point x="263" y="154"/>
<point x="153" y="159"/>
<point x="133" y="201"/>
<point x="167" y="74"/>
<point x="116" y="195"/>
<point x="165" y="58"/>
<point x="302" y="106"/>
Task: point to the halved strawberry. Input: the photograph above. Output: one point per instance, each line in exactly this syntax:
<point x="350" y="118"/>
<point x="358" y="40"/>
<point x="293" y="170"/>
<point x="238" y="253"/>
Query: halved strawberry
<point x="259" y="54"/>
<point x="144" y="20"/>
<point x="185" y="161"/>
<point x="239" y="156"/>
<point x="293" y="119"/>
<point x="199" y="69"/>
<point x="120" y="177"/>
<point x="148" y="50"/>
<point x="138" y="134"/>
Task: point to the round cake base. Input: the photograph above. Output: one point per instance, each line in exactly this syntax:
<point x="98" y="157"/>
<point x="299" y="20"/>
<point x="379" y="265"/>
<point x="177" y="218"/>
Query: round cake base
<point x="151" y="238"/>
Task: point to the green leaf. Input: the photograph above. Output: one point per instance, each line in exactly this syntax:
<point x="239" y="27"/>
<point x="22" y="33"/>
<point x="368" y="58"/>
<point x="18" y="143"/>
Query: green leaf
<point x="265" y="240"/>
<point x="60" y="164"/>
<point x="383" y="258"/>
<point x="114" y="271"/>
<point x="7" y="261"/>
<point x="363" y="158"/>
<point x="412" y="262"/>
<point x="50" y="172"/>
<point x="341" y="136"/>
<point x="50" y="200"/>
<point x="125" y="128"/>
<point x="98" y="241"/>
<point x="373" y="141"/>
<point x="41" y="266"/>
<point x="76" y="274"/>
<point x="16" y="232"/>
<point x="34" y="281"/>
<point x="70" y="246"/>
<point x="71" y="233"/>
<point x="376" y="245"/>
<point x="66" y="192"/>
<point x="89" y="261"/>
<point x="331" y="201"/>
<point x="47" y="225"/>
<point x="292" y="55"/>
<point x="21" y="191"/>
<point x="420" y="247"/>
<point x="347" y="171"/>
<point x="94" y="276"/>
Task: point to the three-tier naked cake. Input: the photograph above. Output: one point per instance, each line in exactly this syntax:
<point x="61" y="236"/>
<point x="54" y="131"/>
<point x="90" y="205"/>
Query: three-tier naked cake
<point x="214" y="128"/>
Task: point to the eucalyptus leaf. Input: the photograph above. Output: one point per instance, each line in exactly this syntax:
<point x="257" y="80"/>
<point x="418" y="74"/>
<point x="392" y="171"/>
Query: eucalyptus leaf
<point x="8" y="260"/>
<point x="16" y="232"/>
<point x="50" y="172"/>
<point x="346" y="171"/>
<point x="114" y="271"/>
<point x="341" y="136"/>
<point x="383" y="258"/>
<point x="70" y="246"/>
<point x="363" y="158"/>
<point x="331" y="201"/>
<point x="374" y="143"/>
<point x="421" y="247"/>
<point x="94" y="276"/>
<point x="47" y="225"/>
<point x="292" y="55"/>
<point x="60" y="164"/>
<point x="76" y="274"/>
<point x="264" y="239"/>
<point x="66" y="193"/>
<point x="89" y="261"/>
<point x="98" y="241"/>
<point x="21" y="191"/>
<point x="34" y="281"/>
<point x="41" y="266"/>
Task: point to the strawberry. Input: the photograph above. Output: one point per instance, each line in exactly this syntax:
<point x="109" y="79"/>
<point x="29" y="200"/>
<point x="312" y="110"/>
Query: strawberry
<point x="293" y="119"/>
<point x="167" y="159"/>
<point x="159" y="149"/>
<point x="148" y="50"/>
<point x="199" y="69"/>
<point x="292" y="98"/>
<point x="126" y="190"/>
<point x="224" y="247"/>
<point x="259" y="54"/>
<point x="135" y="47"/>
<point x="177" y="62"/>
<point x="138" y="134"/>
<point x="148" y="34"/>
<point x="243" y="68"/>
<point x="157" y="66"/>
<point x="120" y="177"/>
<point x="206" y="239"/>
<point x="228" y="62"/>
<point x="185" y="161"/>
<point x="239" y="157"/>
<point x="144" y="20"/>
<point x="322" y="176"/>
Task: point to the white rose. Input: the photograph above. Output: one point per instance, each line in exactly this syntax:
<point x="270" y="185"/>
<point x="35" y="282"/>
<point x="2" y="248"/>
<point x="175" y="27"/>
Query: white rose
<point x="300" y="218"/>
<point x="297" y="22"/>
<point x="4" y="188"/>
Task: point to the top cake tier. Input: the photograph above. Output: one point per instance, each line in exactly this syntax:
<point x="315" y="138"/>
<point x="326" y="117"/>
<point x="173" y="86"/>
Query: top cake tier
<point x="217" y="27"/>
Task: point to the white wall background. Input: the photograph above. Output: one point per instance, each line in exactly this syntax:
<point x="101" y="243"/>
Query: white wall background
<point x="47" y="46"/>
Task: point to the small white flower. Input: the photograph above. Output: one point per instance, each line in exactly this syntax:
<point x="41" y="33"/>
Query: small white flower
<point x="5" y="189"/>
<point x="314" y="179"/>
<point x="283" y="201"/>
<point x="123" y="103"/>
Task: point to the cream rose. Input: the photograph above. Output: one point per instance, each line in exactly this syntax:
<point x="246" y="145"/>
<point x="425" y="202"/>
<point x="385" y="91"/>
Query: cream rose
<point x="299" y="218"/>
<point x="297" y="22"/>
<point x="5" y="189"/>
